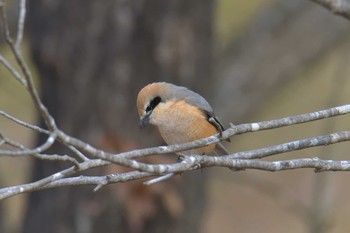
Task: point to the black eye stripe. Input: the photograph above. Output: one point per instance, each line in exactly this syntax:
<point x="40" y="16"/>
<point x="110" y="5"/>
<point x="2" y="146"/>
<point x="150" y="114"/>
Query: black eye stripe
<point x="154" y="102"/>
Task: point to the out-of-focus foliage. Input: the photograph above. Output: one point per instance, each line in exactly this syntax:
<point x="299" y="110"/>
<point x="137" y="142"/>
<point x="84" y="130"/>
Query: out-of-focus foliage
<point x="232" y="17"/>
<point x="293" y="201"/>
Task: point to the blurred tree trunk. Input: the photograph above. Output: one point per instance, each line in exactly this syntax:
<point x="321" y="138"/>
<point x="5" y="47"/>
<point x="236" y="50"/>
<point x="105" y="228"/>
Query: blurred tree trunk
<point x="93" y="57"/>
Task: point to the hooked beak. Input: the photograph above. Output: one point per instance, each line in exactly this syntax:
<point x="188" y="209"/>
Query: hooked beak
<point x="144" y="121"/>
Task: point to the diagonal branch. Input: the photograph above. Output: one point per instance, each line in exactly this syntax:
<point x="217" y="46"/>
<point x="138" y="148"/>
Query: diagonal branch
<point x="20" y="25"/>
<point x="49" y="120"/>
<point x="25" y="124"/>
<point x="323" y="140"/>
<point x="316" y="163"/>
<point x="52" y="157"/>
<point x="15" y="190"/>
<point x="13" y="71"/>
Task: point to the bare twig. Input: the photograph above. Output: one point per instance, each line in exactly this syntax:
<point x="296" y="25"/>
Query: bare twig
<point x="49" y="120"/>
<point x="78" y="153"/>
<point x="20" y="25"/>
<point x="159" y="179"/>
<point x="13" y="71"/>
<point x="52" y="157"/>
<point x="324" y="140"/>
<point x="25" y="124"/>
<point x="287" y="121"/>
<point x="37" y="150"/>
<point x="40" y="184"/>
<point x="242" y="164"/>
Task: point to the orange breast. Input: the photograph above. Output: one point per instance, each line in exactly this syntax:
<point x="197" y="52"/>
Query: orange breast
<point x="179" y="122"/>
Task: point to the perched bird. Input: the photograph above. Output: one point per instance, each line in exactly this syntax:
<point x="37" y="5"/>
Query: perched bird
<point x="180" y="114"/>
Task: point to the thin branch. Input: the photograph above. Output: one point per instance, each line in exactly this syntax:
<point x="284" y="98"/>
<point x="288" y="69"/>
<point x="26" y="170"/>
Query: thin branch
<point x="288" y="121"/>
<point x="13" y="71"/>
<point x="78" y="153"/>
<point x="339" y="7"/>
<point x="159" y="179"/>
<point x="99" y="181"/>
<point x="316" y="163"/>
<point x="40" y="184"/>
<point x="20" y="25"/>
<point x="52" y="157"/>
<point x="49" y="120"/>
<point x="25" y="124"/>
<point x="324" y="140"/>
<point x="37" y="150"/>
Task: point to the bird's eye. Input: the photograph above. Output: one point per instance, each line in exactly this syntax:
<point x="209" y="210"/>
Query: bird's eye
<point x="155" y="101"/>
<point x="149" y="108"/>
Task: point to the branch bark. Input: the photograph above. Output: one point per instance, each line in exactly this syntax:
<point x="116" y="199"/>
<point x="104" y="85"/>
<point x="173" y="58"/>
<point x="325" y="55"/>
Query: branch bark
<point x="239" y="161"/>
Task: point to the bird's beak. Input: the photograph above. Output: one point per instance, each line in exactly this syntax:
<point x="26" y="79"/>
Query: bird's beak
<point x="144" y="121"/>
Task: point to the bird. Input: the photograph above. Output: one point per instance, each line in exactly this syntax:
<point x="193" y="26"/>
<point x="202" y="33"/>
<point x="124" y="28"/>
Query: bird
<point x="181" y="116"/>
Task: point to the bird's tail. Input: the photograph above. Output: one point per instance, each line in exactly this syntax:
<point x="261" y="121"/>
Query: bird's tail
<point x="220" y="149"/>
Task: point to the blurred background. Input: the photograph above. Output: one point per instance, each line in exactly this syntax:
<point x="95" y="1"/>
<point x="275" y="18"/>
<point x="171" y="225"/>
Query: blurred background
<point x="253" y="60"/>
